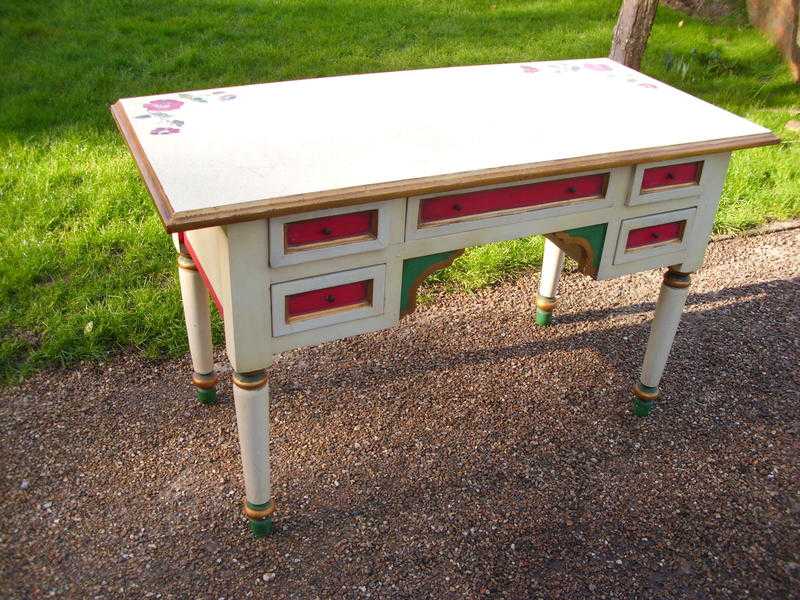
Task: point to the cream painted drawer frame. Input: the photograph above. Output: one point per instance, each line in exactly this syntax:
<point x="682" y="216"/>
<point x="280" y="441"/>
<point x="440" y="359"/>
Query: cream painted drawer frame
<point x="279" y="292"/>
<point x="623" y="255"/>
<point x="637" y="196"/>
<point x="280" y="257"/>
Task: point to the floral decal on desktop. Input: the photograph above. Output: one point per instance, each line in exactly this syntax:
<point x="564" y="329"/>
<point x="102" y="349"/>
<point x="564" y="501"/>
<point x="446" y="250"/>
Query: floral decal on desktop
<point x="162" y="109"/>
<point x="597" y="67"/>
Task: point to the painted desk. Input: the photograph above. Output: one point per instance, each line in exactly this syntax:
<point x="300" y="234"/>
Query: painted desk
<point x="311" y="210"/>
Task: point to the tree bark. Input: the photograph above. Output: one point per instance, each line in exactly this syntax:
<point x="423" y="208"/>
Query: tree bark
<point x="632" y="30"/>
<point x="780" y="20"/>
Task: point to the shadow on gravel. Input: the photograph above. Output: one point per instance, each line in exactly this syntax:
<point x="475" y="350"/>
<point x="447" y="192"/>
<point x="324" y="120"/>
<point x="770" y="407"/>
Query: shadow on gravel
<point x="709" y="328"/>
<point x="737" y="294"/>
<point x="430" y="467"/>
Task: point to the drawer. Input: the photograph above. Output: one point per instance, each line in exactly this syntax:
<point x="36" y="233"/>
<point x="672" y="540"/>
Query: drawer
<point x="654" y="235"/>
<point x="327" y="299"/>
<point x="433" y="211"/>
<point x="328" y="233"/>
<point x="666" y="180"/>
<point x="434" y="215"/>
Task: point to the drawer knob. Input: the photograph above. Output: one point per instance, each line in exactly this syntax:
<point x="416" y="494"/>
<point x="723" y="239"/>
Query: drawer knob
<point x="327" y="231"/>
<point x="670" y="175"/>
<point x="456" y="207"/>
<point x="655" y="235"/>
<point x="330" y="299"/>
<point x="571" y="190"/>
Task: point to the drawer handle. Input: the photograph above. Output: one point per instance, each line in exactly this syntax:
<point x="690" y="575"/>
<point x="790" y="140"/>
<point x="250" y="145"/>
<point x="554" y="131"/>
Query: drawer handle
<point x="571" y="190"/>
<point x="655" y="235"/>
<point x="330" y="299"/>
<point x="456" y="207"/>
<point x="670" y="175"/>
<point x="327" y="231"/>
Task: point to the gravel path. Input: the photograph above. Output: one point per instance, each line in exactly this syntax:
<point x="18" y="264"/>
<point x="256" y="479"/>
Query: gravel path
<point x="465" y="453"/>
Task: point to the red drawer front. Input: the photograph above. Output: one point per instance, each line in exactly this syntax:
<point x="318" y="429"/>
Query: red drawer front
<point x="659" y="177"/>
<point x="338" y="296"/>
<point x="324" y="229"/>
<point x="442" y="208"/>
<point x="655" y="234"/>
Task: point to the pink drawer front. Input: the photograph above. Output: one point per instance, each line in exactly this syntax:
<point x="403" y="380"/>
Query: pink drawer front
<point x="655" y="234"/>
<point x="342" y="228"/>
<point x="318" y="302"/>
<point x="456" y="206"/>
<point x="657" y="178"/>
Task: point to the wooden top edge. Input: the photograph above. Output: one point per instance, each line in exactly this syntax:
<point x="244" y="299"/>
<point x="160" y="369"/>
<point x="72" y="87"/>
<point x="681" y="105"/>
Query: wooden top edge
<point x="146" y="171"/>
<point x="273" y="207"/>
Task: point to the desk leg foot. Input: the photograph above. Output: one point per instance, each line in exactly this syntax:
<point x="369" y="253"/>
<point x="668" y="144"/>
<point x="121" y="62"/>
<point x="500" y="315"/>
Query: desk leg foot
<point x="259" y="518"/>
<point x="671" y="301"/>
<point x="251" y="395"/>
<point x="644" y="399"/>
<point x="544" y="310"/>
<point x="198" y="328"/>
<point x="552" y="264"/>
<point x="206" y="387"/>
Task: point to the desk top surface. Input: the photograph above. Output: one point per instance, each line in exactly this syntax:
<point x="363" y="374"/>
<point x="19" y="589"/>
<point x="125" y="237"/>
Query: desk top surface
<point x="234" y="154"/>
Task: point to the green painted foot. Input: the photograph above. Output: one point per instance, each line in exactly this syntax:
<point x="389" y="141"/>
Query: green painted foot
<point x="642" y="408"/>
<point x="543" y="318"/>
<point x="261" y="527"/>
<point x="207" y="396"/>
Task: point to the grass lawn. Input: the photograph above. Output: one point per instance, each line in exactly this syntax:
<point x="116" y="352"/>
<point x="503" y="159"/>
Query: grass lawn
<point x="85" y="267"/>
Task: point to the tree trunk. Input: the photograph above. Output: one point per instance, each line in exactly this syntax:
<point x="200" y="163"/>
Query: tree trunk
<point x="632" y="30"/>
<point x="780" y="20"/>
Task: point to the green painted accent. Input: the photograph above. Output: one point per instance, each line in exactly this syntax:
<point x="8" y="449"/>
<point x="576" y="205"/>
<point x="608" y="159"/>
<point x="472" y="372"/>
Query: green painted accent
<point x="543" y="318"/>
<point x="261" y="528"/>
<point x="642" y="408"/>
<point x="207" y="396"/>
<point x="596" y="236"/>
<point x="413" y="268"/>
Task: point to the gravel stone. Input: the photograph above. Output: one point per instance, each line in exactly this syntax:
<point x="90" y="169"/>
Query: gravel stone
<point x="476" y="455"/>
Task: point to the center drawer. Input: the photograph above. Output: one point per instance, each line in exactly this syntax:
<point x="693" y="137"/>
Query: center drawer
<point x="326" y="300"/>
<point x="458" y="206"/>
<point x="434" y="215"/>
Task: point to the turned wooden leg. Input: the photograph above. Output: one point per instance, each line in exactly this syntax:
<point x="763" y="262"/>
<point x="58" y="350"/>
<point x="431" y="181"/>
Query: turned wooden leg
<point x="251" y="395"/>
<point x="671" y="301"/>
<point x="552" y="264"/>
<point x="198" y="328"/>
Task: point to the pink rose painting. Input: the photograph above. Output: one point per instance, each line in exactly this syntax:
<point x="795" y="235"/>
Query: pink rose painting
<point x="160" y="109"/>
<point x="570" y="67"/>
<point x="162" y="105"/>
<point x="597" y="67"/>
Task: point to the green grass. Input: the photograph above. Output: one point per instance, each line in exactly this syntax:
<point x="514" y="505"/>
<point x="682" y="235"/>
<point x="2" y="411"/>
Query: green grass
<point x="84" y="265"/>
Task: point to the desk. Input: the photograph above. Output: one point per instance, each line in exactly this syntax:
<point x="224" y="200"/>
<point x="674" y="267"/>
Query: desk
<point x="311" y="210"/>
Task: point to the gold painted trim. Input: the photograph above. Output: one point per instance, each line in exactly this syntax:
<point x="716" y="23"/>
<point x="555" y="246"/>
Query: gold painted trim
<point x="544" y="303"/>
<point x="186" y="262"/>
<point x="645" y="395"/>
<point x="255" y="380"/>
<point x="677" y="279"/>
<point x="259" y="515"/>
<point x="204" y="381"/>
<point x="578" y="249"/>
